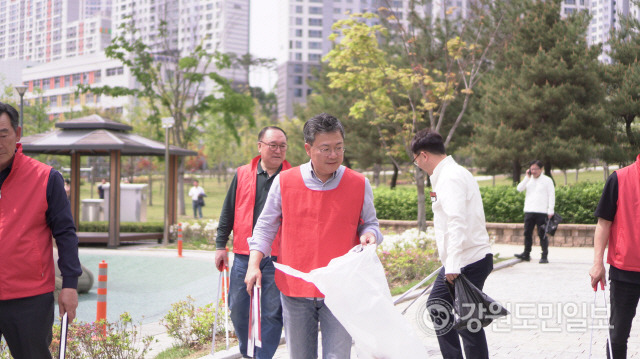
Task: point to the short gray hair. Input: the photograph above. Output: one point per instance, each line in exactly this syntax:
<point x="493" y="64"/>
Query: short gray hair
<point x="322" y="123"/>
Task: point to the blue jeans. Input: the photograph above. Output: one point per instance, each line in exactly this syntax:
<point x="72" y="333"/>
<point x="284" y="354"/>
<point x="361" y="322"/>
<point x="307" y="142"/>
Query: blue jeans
<point x="271" y="310"/>
<point x="301" y="317"/>
<point x="196" y="209"/>
<point x="475" y="344"/>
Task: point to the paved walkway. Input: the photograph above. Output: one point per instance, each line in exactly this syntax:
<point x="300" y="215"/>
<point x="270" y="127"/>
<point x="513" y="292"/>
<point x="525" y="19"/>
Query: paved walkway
<point x="550" y="304"/>
<point x="550" y="309"/>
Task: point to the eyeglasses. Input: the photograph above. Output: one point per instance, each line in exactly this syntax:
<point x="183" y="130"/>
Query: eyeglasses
<point x="273" y="146"/>
<point x="326" y="151"/>
<point x="415" y="162"/>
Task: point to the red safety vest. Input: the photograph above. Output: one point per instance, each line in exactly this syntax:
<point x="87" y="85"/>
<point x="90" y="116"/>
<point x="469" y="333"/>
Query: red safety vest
<point x="245" y="202"/>
<point x="26" y="248"/>
<point x="317" y="226"/>
<point x="624" y="239"/>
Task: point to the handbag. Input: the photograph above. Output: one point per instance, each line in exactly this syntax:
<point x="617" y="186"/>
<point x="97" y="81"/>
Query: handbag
<point x="552" y="224"/>
<point x="473" y="309"/>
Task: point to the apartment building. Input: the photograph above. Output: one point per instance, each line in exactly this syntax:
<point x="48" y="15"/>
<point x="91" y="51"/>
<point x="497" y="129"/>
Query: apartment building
<point x="605" y="16"/>
<point x="49" y="30"/>
<point x="216" y="25"/>
<point x="90" y="8"/>
<point x="305" y="26"/>
<point x="56" y="82"/>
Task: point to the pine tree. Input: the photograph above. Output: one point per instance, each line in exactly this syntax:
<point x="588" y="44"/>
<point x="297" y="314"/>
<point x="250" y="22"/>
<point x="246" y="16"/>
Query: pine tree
<point x="543" y="100"/>
<point x="622" y="79"/>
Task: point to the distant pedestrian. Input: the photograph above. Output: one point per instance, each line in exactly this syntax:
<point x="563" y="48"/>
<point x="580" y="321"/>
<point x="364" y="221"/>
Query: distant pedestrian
<point x="461" y="237"/>
<point x="618" y="226"/>
<point x="101" y="188"/>
<point x="197" y="198"/>
<point x="240" y="212"/>
<point x="33" y="209"/>
<point x="539" y="203"/>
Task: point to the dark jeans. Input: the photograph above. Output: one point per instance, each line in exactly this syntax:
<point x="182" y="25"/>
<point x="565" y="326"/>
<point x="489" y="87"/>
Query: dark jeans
<point x="271" y="309"/>
<point x="624" y="300"/>
<point x="26" y="325"/>
<point x="475" y="344"/>
<point x="531" y="220"/>
<point x="196" y="209"/>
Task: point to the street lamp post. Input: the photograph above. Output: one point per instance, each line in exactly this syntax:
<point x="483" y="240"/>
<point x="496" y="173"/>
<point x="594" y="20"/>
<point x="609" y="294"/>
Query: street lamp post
<point x="21" y="89"/>
<point x="167" y="123"/>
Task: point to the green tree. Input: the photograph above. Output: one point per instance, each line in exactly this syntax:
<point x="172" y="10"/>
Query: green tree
<point x="544" y="98"/>
<point x="268" y="102"/>
<point x="410" y="89"/>
<point x="363" y="144"/>
<point x="36" y="120"/>
<point x="174" y="85"/>
<point x="622" y="79"/>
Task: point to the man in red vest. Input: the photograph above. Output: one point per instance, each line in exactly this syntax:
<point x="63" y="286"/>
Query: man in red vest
<point x="323" y="209"/>
<point x="33" y="208"/>
<point x="240" y="211"/>
<point x="618" y="225"/>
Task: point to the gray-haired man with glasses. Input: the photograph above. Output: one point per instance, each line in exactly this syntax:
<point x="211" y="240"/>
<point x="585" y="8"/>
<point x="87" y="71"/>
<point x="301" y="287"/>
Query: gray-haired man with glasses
<point x="242" y="206"/>
<point x="322" y="210"/>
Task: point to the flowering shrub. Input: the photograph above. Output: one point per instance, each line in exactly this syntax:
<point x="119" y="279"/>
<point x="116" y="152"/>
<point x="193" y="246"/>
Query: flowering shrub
<point x="409" y="256"/>
<point x="411" y="238"/>
<point x="197" y="230"/>
<point x="193" y="326"/>
<point x="119" y="340"/>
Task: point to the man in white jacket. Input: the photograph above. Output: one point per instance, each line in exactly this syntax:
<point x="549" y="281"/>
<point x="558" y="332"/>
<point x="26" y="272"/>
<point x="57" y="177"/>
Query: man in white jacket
<point x="462" y="239"/>
<point x="539" y="201"/>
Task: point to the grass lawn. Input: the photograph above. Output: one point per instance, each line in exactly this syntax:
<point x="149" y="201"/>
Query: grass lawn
<point x="584" y="175"/>
<point x="216" y="190"/>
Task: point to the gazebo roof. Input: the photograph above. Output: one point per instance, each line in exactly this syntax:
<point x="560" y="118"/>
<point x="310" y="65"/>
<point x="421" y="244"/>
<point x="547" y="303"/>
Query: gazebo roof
<point x="95" y="135"/>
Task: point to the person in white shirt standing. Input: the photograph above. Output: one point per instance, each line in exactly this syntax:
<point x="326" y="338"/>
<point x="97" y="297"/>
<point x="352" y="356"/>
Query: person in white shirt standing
<point x="539" y="201"/>
<point x="462" y="240"/>
<point x="197" y="198"/>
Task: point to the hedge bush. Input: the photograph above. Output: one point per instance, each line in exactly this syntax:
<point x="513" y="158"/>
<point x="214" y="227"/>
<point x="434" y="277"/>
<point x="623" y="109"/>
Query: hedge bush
<point x="135" y="227"/>
<point x="502" y="204"/>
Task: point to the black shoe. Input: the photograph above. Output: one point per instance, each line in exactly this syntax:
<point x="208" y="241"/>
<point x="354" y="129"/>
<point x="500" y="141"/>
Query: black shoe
<point x="524" y="256"/>
<point x="544" y="260"/>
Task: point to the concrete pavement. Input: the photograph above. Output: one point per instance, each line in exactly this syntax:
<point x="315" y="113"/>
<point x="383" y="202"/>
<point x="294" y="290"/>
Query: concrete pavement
<point x="552" y="310"/>
<point x="551" y="304"/>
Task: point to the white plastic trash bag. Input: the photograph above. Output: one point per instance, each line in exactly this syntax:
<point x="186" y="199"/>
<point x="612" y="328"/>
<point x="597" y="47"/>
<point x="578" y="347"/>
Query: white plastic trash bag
<point x="356" y="291"/>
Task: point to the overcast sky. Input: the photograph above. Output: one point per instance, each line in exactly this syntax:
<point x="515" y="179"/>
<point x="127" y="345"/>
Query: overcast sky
<point x="263" y="39"/>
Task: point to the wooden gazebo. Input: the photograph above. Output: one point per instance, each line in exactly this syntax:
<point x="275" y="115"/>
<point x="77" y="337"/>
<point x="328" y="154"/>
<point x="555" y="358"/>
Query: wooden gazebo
<point x="97" y="136"/>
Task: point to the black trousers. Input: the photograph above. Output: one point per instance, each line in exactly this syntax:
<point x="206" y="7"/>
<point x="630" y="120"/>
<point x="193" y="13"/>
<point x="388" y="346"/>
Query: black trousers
<point x="624" y="300"/>
<point x="475" y="344"/>
<point x="26" y="325"/>
<point x="531" y="220"/>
